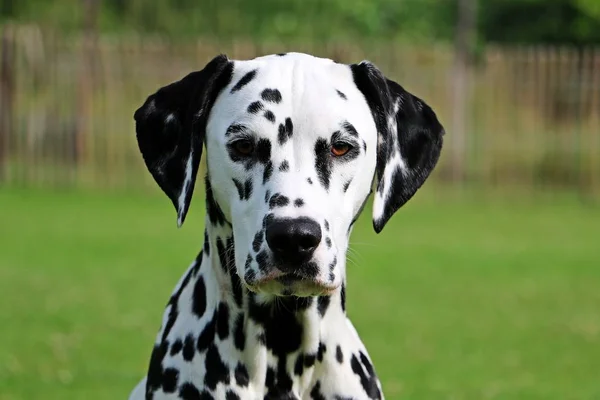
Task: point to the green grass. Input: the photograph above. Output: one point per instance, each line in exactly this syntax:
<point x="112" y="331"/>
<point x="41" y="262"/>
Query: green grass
<point x="456" y="299"/>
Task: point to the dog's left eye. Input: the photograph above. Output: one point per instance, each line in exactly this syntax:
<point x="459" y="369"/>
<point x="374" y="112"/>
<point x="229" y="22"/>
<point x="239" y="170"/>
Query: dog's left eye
<point x="243" y="147"/>
<point x="338" y="149"/>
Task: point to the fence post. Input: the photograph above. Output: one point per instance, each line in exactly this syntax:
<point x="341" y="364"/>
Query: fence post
<point x="86" y="76"/>
<point x="7" y="91"/>
<point x="464" y="43"/>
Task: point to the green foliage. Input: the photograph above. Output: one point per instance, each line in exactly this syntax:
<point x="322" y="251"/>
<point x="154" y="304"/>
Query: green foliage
<point x="522" y="21"/>
<point x="541" y="21"/>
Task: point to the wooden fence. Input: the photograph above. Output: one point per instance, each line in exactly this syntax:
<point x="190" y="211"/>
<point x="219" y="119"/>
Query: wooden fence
<point x="66" y="106"/>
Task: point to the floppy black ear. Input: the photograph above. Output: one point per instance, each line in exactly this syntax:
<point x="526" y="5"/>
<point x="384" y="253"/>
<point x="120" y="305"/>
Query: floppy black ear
<point x="409" y="142"/>
<point x="170" y="128"/>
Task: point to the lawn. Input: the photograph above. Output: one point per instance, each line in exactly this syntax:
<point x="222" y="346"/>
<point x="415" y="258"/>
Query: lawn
<point x="456" y="299"/>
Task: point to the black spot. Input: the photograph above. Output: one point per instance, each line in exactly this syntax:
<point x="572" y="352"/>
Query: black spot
<point x="199" y="297"/>
<point x="342" y="95"/>
<point x="271" y="95"/>
<point x="298" y="303"/>
<point x="322" y="304"/>
<point x="155" y="369"/>
<point x="198" y="261"/>
<point x="309" y="360"/>
<point x="323" y="162"/>
<point x="261" y="260"/>
<point x="284" y="381"/>
<point x="315" y="393"/>
<point x="244" y="190"/>
<point x="244" y="81"/>
<point x="188" y="391"/>
<point x="235" y="128"/>
<point x="229" y="254"/>
<point x="268" y="172"/>
<point x="176" y="347"/>
<point x="206" y="248"/>
<point x="309" y="181"/>
<point x="239" y="187"/>
<point x="249" y="276"/>
<point x="261" y="338"/>
<point x="222" y="252"/>
<point x="299" y="365"/>
<point x="368" y="382"/>
<point x="231" y="395"/>
<point x="284" y="166"/>
<point x="189" y="348"/>
<point x="257" y="242"/>
<point x="236" y="287"/>
<point x="349" y="128"/>
<point x="248" y="188"/>
<point x="269" y="116"/>
<point x="278" y="200"/>
<point x="328" y="242"/>
<point x="343" y="296"/>
<point x="347" y="185"/>
<point x="289" y="127"/>
<point x="280" y="386"/>
<point x="169" y="383"/>
<point x="367" y="363"/>
<point x="263" y="151"/>
<point x="364" y="145"/>
<point x="248" y="262"/>
<point x="283" y="331"/>
<point x="332" y="268"/>
<point x="255" y="107"/>
<point x="339" y="356"/>
<point x="239" y="337"/>
<point x="326" y="225"/>
<point x="216" y="370"/>
<point x="321" y="351"/>
<point x="223" y="321"/>
<point x="281" y="54"/>
<point x="215" y="214"/>
<point x="286" y="131"/>
<point x="270" y="377"/>
<point x="241" y="375"/>
<point x="298" y="203"/>
<point x="208" y="335"/>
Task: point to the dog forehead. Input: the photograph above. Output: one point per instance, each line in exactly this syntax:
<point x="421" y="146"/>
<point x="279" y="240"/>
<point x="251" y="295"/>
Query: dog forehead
<point x="318" y="94"/>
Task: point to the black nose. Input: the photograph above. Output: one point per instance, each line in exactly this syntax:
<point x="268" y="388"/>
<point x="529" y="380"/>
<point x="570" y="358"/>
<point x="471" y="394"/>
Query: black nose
<point x="293" y="240"/>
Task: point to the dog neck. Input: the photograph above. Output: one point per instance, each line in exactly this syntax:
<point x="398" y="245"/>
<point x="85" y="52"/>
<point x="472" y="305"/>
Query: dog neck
<point x="265" y="329"/>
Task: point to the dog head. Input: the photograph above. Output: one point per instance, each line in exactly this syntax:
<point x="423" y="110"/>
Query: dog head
<point x="293" y="144"/>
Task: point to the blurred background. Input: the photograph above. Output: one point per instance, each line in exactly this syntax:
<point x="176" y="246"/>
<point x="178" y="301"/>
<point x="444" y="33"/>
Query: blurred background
<point x="486" y="285"/>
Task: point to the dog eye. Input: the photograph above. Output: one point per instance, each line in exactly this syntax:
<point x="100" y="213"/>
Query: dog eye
<point x="243" y="147"/>
<point x="338" y="149"/>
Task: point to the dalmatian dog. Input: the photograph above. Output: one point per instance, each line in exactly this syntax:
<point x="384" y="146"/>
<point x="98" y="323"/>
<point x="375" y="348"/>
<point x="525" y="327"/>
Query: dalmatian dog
<point x="294" y="145"/>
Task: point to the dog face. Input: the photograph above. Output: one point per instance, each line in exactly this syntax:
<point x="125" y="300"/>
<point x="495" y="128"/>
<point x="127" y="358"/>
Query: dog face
<point x="291" y="153"/>
<point x="293" y="145"/>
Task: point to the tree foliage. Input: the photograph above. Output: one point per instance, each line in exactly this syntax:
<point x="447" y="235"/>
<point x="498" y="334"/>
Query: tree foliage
<point x="506" y="21"/>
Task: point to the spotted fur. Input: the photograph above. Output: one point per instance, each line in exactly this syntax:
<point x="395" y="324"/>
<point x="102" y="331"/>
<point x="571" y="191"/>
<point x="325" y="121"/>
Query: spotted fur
<point x="261" y="312"/>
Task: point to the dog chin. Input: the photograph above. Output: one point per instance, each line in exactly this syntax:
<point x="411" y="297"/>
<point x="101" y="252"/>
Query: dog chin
<point x="292" y="285"/>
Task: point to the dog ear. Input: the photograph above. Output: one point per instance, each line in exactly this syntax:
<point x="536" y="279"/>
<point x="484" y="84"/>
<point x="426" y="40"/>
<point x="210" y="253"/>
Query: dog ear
<point x="409" y="140"/>
<point x="170" y="128"/>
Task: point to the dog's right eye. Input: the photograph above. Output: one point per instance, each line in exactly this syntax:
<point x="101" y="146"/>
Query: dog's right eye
<point x="243" y="147"/>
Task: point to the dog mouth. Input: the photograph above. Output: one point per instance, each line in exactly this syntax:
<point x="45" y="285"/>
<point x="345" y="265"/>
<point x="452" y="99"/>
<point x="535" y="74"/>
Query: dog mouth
<point x="291" y="284"/>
